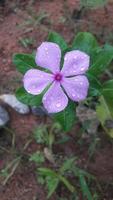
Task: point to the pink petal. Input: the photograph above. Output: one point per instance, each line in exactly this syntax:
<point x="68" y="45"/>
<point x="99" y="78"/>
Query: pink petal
<point x="35" y="81"/>
<point x="55" y="99"/>
<point x="76" y="87"/>
<point x="48" y="56"/>
<point x="75" y="62"/>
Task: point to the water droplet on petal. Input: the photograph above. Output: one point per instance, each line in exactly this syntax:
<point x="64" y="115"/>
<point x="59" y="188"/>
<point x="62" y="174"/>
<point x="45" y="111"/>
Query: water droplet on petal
<point x="65" y="58"/>
<point x="82" y="69"/>
<point x="58" y="105"/>
<point x="73" y="95"/>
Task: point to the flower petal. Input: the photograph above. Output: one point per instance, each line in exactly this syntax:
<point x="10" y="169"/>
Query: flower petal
<point x="55" y="99"/>
<point x="76" y="87"/>
<point x="48" y="56"/>
<point x="75" y="62"/>
<point x="35" y="81"/>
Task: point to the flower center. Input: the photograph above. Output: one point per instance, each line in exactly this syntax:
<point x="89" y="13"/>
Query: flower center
<point x="58" y="77"/>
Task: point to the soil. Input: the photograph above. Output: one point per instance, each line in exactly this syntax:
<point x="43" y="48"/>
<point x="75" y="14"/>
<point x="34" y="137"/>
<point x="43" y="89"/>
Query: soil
<point x="66" y="18"/>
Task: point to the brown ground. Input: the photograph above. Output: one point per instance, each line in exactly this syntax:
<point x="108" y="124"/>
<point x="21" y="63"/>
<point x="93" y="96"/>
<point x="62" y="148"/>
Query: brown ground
<point x="61" y="17"/>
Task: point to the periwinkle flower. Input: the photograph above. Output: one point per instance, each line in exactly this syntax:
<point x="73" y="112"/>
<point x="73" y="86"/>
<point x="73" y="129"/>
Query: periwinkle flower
<point x="69" y="81"/>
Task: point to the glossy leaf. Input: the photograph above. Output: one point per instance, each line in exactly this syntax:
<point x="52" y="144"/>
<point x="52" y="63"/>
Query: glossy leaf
<point x="67" y="117"/>
<point x="101" y="60"/>
<point x="29" y="99"/>
<point x="94" y="85"/>
<point x="56" y="38"/>
<point x="84" y="41"/>
<point x="24" y="62"/>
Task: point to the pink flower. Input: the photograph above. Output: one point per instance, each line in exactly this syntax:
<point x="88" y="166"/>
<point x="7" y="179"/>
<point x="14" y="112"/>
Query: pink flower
<point x="69" y="81"/>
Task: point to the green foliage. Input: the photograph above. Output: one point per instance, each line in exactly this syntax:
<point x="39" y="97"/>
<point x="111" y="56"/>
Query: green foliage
<point x="34" y="19"/>
<point x="105" y="107"/>
<point x="8" y="171"/>
<point x="84" y="41"/>
<point x="84" y="187"/>
<point x="67" y="117"/>
<point x="29" y="99"/>
<point x="44" y="134"/>
<point x="41" y="134"/>
<point x="93" y="3"/>
<point x="56" y="38"/>
<point x="67" y="165"/>
<point x="101" y="58"/>
<point x="94" y="85"/>
<point x="37" y="157"/>
<point x="24" y="62"/>
<point x="26" y="42"/>
<point x="107" y="93"/>
<point x="82" y="176"/>
<point x="53" y="178"/>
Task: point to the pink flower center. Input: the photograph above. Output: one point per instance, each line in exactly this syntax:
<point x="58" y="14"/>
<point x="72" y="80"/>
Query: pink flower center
<point x="58" y="77"/>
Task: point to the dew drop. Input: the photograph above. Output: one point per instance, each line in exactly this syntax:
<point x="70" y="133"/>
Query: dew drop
<point x="81" y="83"/>
<point x="73" y="95"/>
<point x="58" y="105"/>
<point x="65" y="58"/>
<point x="82" y="69"/>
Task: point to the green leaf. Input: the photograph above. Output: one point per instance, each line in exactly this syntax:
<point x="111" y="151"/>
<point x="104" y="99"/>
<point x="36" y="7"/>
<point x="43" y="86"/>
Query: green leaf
<point x="67" y="117"/>
<point x="41" y="134"/>
<point x="56" y="38"/>
<point x="67" y="165"/>
<point x="93" y="3"/>
<point x="37" y="157"/>
<point x="94" y="85"/>
<point x="47" y="172"/>
<point x="29" y="99"/>
<point x="104" y="111"/>
<point x="101" y="60"/>
<point x="52" y="184"/>
<point x="84" y="187"/>
<point x="70" y="187"/>
<point x="108" y="85"/>
<point x="52" y="179"/>
<point x="84" y="41"/>
<point x="107" y="93"/>
<point x="108" y="96"/>
<point x="24" y="62"/>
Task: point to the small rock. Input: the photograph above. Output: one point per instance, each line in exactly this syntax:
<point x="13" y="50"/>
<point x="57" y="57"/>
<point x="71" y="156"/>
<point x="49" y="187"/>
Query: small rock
<point x="88" y="118"/>
<point x="4" y="117"/>
<point x="12" y="101"/>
